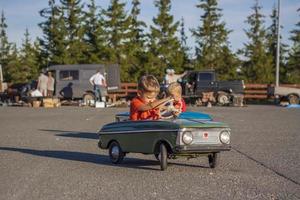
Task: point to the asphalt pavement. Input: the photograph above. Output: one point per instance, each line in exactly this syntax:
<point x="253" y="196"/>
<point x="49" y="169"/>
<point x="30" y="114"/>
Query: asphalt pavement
<point x="53" y="154"/>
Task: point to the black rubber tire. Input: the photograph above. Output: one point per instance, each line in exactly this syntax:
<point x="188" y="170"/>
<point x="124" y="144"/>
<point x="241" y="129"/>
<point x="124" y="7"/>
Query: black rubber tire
<point x="116" y="157"/>
<point x="293" y="99"/>
<point x="163" y="157"/>
<point x="213" y="160"/>
<point x="223" y="97"/>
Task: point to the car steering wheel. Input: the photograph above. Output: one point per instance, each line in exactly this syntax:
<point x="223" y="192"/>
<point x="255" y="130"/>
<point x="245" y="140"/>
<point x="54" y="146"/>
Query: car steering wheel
<point x="169" y="112"/>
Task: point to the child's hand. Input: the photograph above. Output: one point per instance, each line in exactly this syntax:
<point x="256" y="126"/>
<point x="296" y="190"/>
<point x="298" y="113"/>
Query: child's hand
<point x="176" y="113"/>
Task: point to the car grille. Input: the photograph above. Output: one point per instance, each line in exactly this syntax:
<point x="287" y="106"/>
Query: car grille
<point x="204" y="136"/>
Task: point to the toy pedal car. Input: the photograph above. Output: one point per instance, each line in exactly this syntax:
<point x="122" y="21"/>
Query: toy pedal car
<point x="190" y="135"/>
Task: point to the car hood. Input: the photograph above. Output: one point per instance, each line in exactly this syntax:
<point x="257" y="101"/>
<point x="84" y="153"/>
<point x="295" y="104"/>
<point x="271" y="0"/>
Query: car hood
<point x="160" y="125"/>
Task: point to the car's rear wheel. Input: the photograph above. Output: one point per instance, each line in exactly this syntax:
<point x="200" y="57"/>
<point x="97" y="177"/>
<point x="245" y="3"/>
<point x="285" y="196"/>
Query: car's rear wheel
<point x="163" y="157"/>
<point x="223" y="99"/>
<point x="116" y="154"/>
<point x="213" y="160"/>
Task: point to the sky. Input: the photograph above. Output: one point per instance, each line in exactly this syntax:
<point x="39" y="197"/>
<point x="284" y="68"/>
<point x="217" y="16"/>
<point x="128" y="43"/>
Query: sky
<point x="22" y="14"/>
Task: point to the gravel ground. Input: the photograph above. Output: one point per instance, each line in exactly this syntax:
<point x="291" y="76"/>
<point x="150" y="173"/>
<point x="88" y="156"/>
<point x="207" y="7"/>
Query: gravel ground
<point x="53" y="154"/>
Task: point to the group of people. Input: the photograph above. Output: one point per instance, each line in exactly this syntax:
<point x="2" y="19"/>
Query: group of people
<point x="45" y="84"/>
<point x="146" y="106"/>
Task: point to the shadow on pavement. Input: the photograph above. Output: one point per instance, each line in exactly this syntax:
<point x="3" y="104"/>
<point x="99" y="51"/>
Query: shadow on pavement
<point x="74" y="134"/>
<point x="135" y="163"/>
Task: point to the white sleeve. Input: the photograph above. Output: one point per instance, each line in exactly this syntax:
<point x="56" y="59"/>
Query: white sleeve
<point x="92" y="79"/>
<point x="102" y="77"/>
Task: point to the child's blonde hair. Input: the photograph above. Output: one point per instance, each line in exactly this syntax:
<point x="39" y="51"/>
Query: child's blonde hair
<point x="174" y="88"/>
<point x="148" y="83"/>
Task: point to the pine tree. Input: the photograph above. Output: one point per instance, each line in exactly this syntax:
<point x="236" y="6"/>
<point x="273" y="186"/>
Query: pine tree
<point x="184" y="48"/>
<point x="53" y="44"/>
<point x="4" y="46"/>
<point x="28" y="59"/>
<point x="14" y="70"/>
<point x="96" y="50"/>
<point x="116" y="27"/>
<point x="257" y="68"/>
<point x="73" y="18"/>
<point x="212" y="49"/>
<point x="293" y="66"/>
<point x="272" y="46"/>
<point x="164" y="44"/>
<point x="135" y="45"/>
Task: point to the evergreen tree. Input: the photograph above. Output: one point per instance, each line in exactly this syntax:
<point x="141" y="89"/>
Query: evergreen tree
<point x="184" y="48"/>
<point x="14" y="69"/>
<point x="257" y="68"/>
<point x="272" y="46"/>
<point x="53" y="45"/>
<point x="96" y="50"/>
<point x="293" y="66"/>
<point x="164" y="45"/>
<point x="135" y="45"/>
<point x="74" y="28"/>
<point x="4" y="46"/>
<point x="116" y="25"/>
<point x="28" y="59"/>
<point x="212" y="49"/>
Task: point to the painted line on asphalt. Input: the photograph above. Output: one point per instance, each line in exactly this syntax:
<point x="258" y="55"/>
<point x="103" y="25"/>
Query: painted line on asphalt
<point x="265" y="166"/>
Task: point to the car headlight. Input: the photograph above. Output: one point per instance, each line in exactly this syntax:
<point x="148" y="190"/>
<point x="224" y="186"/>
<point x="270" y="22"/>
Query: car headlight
<point x="225" y="137"/>
<point x="187" y="137"/>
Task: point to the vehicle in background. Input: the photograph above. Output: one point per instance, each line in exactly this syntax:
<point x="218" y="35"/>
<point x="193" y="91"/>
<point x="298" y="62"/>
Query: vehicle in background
<point x="292" y="95"/>
<point x="72" y="81"/>
<point x="196" y="83"/>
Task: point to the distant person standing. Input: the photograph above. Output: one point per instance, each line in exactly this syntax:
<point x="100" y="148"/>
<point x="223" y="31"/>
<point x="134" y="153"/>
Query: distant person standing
<point x="42" y="84"/>
<point x="99" y="83"/>
<point x="50" y="85"/>
<point x="171" y="77"/>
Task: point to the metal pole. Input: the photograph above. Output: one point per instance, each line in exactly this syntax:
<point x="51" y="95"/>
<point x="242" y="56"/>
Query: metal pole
<point x="1" y="74"/>
<point x="278" y="44"/>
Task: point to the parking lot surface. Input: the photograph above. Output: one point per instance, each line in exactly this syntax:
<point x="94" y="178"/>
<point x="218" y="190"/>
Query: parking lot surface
<point x="53" y="154"/>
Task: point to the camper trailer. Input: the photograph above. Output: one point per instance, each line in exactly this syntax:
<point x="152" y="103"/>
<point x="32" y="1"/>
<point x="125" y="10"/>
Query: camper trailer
<point x="72" y="81"/>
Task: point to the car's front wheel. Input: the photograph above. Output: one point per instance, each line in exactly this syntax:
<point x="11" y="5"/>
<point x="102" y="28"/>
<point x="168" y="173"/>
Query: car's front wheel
<point x="115" y="153"/>
<point x="213" y="160"/>
<point x="163" y="157"/>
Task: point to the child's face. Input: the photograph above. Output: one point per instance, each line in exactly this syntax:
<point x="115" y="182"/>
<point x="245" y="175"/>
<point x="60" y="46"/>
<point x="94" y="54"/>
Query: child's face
<point x="148" y="97"/>
<point x="176" y="95"/>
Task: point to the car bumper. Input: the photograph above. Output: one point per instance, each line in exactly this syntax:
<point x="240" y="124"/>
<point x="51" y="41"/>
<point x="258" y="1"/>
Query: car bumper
<point x="201" y="149"/>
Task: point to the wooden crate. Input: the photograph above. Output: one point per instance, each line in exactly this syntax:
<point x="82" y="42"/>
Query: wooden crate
<point x="51" y="103"/>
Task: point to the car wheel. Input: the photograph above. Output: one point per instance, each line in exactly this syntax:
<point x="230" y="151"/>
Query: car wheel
<point x="213" y="160"/>
<point x="116" y="154"/>
<point x="163" y="156"/>
<point x="223" y="99"/>
<point x="87" y="98"/>
<point x="293" y="99"/>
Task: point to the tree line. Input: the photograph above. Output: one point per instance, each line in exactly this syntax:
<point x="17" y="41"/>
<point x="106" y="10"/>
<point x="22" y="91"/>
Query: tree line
<point x="74" y="32"/>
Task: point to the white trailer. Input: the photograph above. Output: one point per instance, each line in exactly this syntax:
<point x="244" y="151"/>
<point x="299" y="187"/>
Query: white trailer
<point x="291" y="94"/>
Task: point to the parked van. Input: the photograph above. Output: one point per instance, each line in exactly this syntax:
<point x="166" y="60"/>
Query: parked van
<point x="72" y="81"/>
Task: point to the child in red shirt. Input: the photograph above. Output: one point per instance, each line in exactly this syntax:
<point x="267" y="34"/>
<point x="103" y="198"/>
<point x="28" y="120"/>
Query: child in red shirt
<point x="145" y="106"/>
<point x="175" y="91"/>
